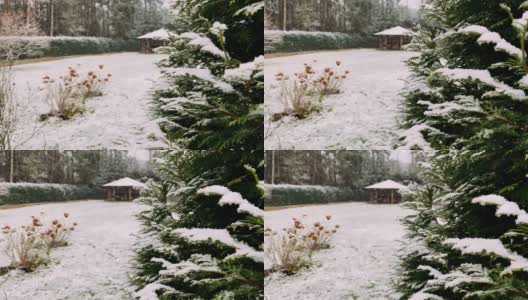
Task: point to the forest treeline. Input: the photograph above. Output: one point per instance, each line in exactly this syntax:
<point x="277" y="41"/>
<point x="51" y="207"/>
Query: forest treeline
<point x="351" y="16"/>
<point x="100" y="18"/>
<point x="92" y="168"/>
<point x="351" y="169"/>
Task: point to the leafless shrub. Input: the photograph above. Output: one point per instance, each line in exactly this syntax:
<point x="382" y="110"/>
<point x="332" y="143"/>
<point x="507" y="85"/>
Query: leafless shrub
<point x="303" y="94"/>
<point x="285" y="251"/>
<point x="16" y="24"/>
<point x="24" y="248"/>
<point x="67" y="95"/>
<point x="28" y="247"/>
<point x="291" y="249"/>
<point x="298" y="94"/>
<point x="57" y="233"/>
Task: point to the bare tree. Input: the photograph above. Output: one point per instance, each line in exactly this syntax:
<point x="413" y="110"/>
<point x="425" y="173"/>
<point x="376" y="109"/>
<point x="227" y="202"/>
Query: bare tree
<point x="7" y="108"/>
<point x="12" y="27"/>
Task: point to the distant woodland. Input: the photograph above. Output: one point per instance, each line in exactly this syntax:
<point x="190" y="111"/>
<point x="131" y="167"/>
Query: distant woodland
<point x="101" y="18"/>
<point x="72" y="167"/>
<point x="353" y="16"/>
<point x="339" y="168"/>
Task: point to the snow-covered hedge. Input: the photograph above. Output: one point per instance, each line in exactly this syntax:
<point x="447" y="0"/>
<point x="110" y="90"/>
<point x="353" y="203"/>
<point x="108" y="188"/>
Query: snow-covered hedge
<point x="20" y="193"/>
<point x="294" y="41"/>
<point x="288" y="194"/>
<point x="43" y="46"/>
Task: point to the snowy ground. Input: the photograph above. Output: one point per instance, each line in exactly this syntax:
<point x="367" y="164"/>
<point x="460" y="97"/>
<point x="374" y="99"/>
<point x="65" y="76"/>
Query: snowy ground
<point x="364" y="116"/>
<point x="120" y="119"/>
<point x="360" y="263"/>
<point x="94" y="266"/>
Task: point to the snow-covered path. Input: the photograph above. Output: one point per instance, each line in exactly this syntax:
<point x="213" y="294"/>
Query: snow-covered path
<point x="120" y="119"/>
<point x="94" y="266"/>
<point x="364" y="116"/>
<point x="361" y="262"/>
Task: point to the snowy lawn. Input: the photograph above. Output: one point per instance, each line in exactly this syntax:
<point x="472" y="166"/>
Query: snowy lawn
<point x="360" y="263"/>
<point x="364" y="116"/>
<point x="93" y="266"/>
<point x="120" y="119"/>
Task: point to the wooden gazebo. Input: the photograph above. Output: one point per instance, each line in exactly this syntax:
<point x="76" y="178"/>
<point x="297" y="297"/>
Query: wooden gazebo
<point x="385" y="192"/>
<point x="124" y="189"/>
<point x="154" y="39"/>
<point x="394" y="38"/>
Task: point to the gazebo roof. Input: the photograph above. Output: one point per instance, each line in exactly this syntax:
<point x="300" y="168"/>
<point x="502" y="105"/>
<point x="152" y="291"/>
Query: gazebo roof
<point x="160" y="34"/>
<point x="387" y="185"/>
<point x="398" y="30"/>
<point x="124" y="182"/>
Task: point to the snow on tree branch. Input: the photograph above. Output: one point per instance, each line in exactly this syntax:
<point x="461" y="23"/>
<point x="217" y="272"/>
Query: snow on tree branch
<point x="413" y="137"/>
<point x="504" y="207"/>
<point x="490" y="246"/>
<point x="197" y="263"/>
<point x="483" y="76"/>
<point x="204" y="43"/>
<point x="223" y="236"/>
<point x="490" y="37"/>
<point x="232" y="198"/>
<point x="149" y="291"/>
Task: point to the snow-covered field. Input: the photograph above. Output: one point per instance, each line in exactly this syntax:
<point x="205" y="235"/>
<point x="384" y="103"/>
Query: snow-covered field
<point x="361" y="262"/>
<point x="94" y="266"/>
<point x="120" y="119"/>
<point x="364" y="116"/>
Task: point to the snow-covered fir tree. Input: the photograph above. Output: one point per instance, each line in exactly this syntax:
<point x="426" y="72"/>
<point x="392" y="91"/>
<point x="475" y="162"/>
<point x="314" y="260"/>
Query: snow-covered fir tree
<point x="468" y="101"/>
<point x="203" y="231"/>
<point x="210" y="100"/>
<point x="202" y="234"/>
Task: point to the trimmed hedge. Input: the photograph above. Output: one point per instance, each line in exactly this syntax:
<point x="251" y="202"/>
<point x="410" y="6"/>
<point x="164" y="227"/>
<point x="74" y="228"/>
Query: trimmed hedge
<point x="287" y="194"/>
<point x="296" y="41"/>
<point x="43" y="46"/>
<point x="22" y="193"/>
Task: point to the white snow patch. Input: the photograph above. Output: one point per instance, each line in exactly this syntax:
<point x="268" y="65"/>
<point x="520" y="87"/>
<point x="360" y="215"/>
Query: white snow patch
<point x="214" y="190"/>
<point x="364" y="116"/>
<point x="126" y="182"/>
<point x="149" y="291"/>
<point x="387" y="184"/>
<point x="357" y="266"/>
<point x="413" y="137"/>
<point x="120" y="119"/>
<point x="96" y="263"/>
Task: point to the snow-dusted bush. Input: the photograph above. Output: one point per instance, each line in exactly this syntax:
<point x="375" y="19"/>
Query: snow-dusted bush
<point x="24" y="247"/>
<point x="29" y="246"/>
<point x="294" y="41"/>
<point x="43" y="46"/>
<point x="288" y="194"/>
<point x="285" y="251"/>
<point x="290" y="249"/>
<point x="19" y="193"/>
<point x="57" y="233"/>
<point x="303" y="93"/>
<point x="297" y="94"/>
<point x="67" y="95"/>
